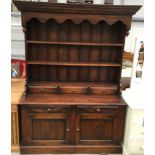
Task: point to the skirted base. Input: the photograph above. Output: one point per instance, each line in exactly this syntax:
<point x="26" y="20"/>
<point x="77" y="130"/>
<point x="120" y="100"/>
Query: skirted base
<point x="71" y="149"/>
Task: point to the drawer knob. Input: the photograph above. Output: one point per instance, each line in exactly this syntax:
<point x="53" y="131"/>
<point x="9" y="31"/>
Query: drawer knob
<point x="49" y="109"/>
<point x="77" y="130"/>
<point x="98" y="109"/>
<point x="67" y="130"/>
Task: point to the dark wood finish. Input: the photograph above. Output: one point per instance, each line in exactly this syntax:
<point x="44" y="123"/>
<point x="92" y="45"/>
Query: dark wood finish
<point x="88" y="125"/>
<point x="98" y="125"/>
<point x="45" y="126"/>
<point x="72" y="99"/>
<point x="73" y="88"/>
<point x="73" y="43"/>
<point x="72" y="102"/>
<point x="74" y="64"/>
<point x="72" y="149"/>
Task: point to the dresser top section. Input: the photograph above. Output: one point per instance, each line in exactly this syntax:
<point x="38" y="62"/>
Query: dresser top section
<point x="44" y="11"/>
<point x="76" y="8"/>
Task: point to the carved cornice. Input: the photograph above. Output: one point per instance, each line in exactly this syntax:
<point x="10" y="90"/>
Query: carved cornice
<point x="77" y="13"/>
<point x="77" y="19"/>
<point x="25" y="6"/>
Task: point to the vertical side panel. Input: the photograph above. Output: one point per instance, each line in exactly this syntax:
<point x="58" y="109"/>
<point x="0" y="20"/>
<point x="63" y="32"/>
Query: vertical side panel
<point x="42" y="36"/>
<point x="103" y="74"/>
<point x="42" y="51"/>
<point x="52" y="30"/>
<point x="32" y="35"/>
<point x="53" y="73"/>
<point x="95" y="51"/>
<point x="42" y="72"/>
<point x="52" y="50"/>
<point x="64" y="32"/>
<point x="74" y="51"/>
<point x="85" y="35"/>
<point x="62" y="74"/>
<point x="105" y="38"/>
<point x="105" y="51"/>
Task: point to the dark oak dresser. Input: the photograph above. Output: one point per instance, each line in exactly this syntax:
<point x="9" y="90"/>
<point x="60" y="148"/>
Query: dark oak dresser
<point x="72" y="101"/>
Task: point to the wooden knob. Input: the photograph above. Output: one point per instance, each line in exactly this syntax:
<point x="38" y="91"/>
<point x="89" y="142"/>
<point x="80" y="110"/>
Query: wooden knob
<point x="78" y="130"/>
<point x="98" y="109"/>
<point x="67" y="130"/>
<point x="49" y="109"/>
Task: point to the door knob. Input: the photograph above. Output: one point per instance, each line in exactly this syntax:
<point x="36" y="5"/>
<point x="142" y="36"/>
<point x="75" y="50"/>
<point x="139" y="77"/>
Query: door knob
<point x="67" y="130"/>
<point x="48" y="109"/>
<point x="98" y="109"/>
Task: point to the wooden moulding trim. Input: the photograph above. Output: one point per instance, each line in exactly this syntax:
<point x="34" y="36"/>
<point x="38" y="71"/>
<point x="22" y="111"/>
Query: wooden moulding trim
<point x="72" y="149"/>
<point x="75" y="18"/>
<point x="87" y="9"/>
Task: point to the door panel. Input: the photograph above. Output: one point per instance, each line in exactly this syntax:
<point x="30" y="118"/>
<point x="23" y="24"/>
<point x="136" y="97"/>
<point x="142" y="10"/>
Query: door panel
<point x="97" y="127"/>
<point x="55" y="129"/>
<point x="44" y="128"/>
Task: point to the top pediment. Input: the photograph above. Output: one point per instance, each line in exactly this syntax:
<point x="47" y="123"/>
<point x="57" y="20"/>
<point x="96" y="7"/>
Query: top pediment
<point x="44" y="11"/>
<point x="76" y="8"/>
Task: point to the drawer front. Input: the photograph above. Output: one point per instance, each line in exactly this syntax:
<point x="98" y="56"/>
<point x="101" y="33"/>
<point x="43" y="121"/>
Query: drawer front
<point x="137" y="147"/>
<point x="73" y="90"/>
<point x="99" y="109"/>
<point x="47" y="109"/>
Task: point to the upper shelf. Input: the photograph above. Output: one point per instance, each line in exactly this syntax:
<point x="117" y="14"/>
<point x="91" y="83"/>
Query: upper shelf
<point x="73" y="43"/>
<point x="91" y="64"/>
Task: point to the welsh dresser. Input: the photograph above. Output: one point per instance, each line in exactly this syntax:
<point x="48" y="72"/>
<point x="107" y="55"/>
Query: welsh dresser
<point x="72" y="101"/>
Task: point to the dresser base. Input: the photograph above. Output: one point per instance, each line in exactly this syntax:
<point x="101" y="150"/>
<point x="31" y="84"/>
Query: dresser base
<point x="71" y="149"/>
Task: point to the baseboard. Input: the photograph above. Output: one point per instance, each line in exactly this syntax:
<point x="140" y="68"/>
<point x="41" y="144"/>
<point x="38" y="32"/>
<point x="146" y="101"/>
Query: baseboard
<point x="71" y="149"/>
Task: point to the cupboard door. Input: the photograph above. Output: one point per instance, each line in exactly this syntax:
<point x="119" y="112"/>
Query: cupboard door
<point x="100" y="128"/>
<point x="40" y="127"/>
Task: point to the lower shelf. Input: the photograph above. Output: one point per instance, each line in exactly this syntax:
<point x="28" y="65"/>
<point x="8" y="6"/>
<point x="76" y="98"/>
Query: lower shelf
<point x="71" y="149"/>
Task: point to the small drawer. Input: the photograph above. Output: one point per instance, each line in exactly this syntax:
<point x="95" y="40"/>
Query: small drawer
<point x="48" y="109"/>
<point x="137" y="131"/>
<point x="41" y="90"/>
<point x="137" y="147"/>
<point x="98" y="109"/>
<point x="72" y="90"/>
<point x="103" y="91"/>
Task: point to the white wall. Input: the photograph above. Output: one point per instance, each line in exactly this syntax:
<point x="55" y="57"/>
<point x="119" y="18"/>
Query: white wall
<point x="136" y="31"/>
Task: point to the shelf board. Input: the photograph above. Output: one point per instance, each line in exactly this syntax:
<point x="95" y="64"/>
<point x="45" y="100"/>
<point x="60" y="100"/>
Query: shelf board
<point x="89" y="64"/>
<point x="73" y="43"/>
<point x="72" y="99"/>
